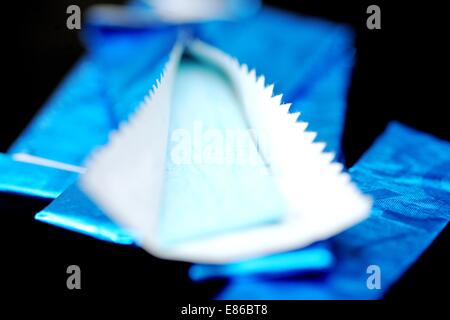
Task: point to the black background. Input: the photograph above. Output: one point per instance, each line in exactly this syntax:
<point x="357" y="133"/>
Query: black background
<point x="399" y="74"/>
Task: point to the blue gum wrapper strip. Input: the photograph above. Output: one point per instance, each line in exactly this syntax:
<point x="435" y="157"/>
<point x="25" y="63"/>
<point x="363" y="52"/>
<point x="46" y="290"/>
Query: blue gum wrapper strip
<point x="314" y="259"/>
<point x="33" y="180"/>
<point x="407" y="172"/>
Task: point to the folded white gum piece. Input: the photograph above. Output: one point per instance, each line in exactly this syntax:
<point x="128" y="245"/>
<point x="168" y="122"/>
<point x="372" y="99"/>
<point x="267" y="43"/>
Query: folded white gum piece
<point x="194" y="210"/>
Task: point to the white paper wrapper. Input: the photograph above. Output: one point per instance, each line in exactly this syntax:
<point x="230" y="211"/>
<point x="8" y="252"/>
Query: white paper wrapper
<point x="205" y="202"/>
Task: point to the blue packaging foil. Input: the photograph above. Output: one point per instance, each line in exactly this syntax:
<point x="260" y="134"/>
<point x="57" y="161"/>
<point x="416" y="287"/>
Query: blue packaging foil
<point x="408" y="175"/>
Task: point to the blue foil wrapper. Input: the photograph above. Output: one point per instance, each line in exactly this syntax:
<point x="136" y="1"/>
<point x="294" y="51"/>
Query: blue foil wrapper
<point x="408" y="175"/>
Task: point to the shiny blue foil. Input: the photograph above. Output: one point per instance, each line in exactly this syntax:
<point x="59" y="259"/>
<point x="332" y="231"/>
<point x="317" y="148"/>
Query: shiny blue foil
<point x="408" y="175"/>
<point x="33" y="180"/>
